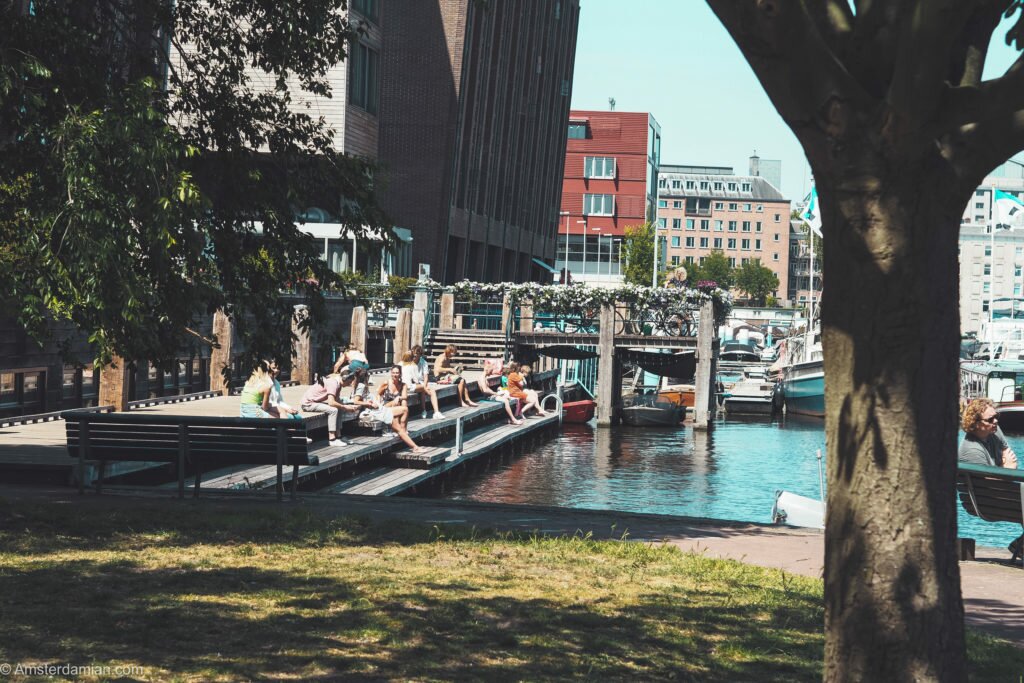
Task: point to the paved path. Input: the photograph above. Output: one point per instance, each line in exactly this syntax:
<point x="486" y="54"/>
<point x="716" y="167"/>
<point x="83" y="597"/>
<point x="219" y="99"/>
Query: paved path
<point x="993" y="591"/>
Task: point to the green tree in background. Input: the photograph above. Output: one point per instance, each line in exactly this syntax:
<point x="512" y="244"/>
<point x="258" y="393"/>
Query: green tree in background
<point x="638" y="254"/>
<point x="756" y="281"/>
<point x="133" y="213"/>
<point x="715" y="268"/>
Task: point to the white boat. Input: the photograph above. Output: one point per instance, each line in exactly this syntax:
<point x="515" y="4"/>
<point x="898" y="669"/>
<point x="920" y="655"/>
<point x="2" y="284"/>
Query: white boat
<point x="803" y="374"/>
<point x="752" y="395"/>
<point x="793" y="510"/>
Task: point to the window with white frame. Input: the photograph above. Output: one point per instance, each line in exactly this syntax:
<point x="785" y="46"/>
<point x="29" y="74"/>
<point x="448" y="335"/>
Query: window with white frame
<point x="599" y="204"/>
<point x="747" y="207"/>
<point x="1017" y="271"/>
<point x="745" y="244"/>
<point x="598" y="167"/>
<point x="663" y="182"/>
<point x="718" y="226"/>
<point x="689" y="242"/>
<point x="689" y="224"/>
<point x="732" y="187"/>
<point x="757" y="227"/>
<point x="775" y="257"/>
<point x="677" y="204"/>
<point x="746" y="187"/>
<point x="703" y="184"/>
<point x="732" y="261"/>
<point x="675" y="241"/>
<point x="661" y="223"/>
<point x="757" y="245"/>
<point x="732" y="243"/>
<point x="718" y="186"/>
<point x="690" y="184"/>
<point x="662" y="203"/>
<point x="705" y="224"/>
<point x="733" y="206"/>
<point x="677" y="223"/>
<point x="719" y="206"/>
<point x="676" y="184"/>
<point x="718" y="243"/>
<point x="746" y="226"/>
<point x="578" y="131"/>
<point x="704" y="242"/>
<point x="732" y="226"/>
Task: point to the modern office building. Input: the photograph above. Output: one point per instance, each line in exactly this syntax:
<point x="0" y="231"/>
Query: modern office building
<point x="709" y="208"/>
<point x="991" y="262"/>
<point x="610" y="183"/>
<point x="474" y="101"/>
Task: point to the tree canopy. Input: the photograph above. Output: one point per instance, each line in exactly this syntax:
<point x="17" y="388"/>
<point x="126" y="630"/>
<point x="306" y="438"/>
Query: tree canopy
<point x="154" y="159"/>
<point x="756" y="281"/>
<point x="638" y="254"/>
<point x="715" y="268"/>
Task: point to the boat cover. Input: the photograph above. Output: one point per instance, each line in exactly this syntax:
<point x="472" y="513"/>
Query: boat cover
<point x="664" y="364"/>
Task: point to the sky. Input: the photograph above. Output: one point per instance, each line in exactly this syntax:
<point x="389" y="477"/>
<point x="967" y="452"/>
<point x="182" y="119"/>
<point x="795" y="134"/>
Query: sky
<point x="674" y="59"/>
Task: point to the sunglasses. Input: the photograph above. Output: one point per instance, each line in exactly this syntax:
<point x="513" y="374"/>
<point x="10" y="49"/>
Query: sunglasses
<point x="991" y="420"/>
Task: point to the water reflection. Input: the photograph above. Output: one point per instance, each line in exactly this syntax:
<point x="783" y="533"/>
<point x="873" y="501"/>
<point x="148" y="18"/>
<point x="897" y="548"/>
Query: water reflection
<point x="729" y="473"/>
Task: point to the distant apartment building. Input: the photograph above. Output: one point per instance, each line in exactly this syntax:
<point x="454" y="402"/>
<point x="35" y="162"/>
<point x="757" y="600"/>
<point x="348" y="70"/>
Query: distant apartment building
<point x="798" y="289"/>
<point x="708" y="208"/>
<point x="769" y="169"/>
<point x="474" y="100"/>
<point x="991" y="263"/>
<point x="609" y="184"/>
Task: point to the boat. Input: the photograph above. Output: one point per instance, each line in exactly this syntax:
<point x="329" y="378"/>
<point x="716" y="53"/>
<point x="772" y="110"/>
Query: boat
<point x="752" y="395"/>
<point x="803" y="376"/>
<point x="739" y="352"/>
<point x="578" y="411"/>
<point x="794" y="510"/>
<point x="999" y="380"/>
<point x="647" y="411"/>
<point x="683" y="395"/>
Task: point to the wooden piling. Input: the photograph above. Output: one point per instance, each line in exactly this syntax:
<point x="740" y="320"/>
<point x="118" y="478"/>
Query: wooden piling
<point x="221" y="355"/>
<point x="704" y="382"/>
<point x="114" y="384"/>
<point x="357" y="330"/>
<point x="403" y="332"/>
<point x="447" y="321"/>
<point x="606" y="398"/>
<point x="302" y="353"/>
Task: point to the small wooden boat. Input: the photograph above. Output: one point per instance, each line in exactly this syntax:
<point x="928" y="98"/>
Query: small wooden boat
<point x="752" y="395"/>
<point x="647" y="411"/>
<point x="578" y="411"/>
<point x="680" y="394"/>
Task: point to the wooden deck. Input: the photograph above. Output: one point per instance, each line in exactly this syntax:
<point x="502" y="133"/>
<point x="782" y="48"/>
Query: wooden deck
<point x="388" y="481"/>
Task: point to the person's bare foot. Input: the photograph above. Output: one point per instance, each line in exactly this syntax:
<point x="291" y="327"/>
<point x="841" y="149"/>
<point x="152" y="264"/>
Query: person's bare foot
<point x="473" y="405"/>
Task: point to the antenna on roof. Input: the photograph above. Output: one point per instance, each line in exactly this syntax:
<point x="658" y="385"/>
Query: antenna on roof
<point x="611" y="104"/>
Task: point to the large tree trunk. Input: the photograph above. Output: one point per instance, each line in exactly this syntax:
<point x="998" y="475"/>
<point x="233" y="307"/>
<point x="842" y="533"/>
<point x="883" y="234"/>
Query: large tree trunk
<point x="893" y="609"/>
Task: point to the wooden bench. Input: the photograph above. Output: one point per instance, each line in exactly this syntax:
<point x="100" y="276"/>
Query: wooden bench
<point x="189" y="439"/>
<point x="994" y="494"/>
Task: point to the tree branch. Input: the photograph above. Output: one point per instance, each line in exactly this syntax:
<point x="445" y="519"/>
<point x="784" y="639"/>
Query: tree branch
<point x="834" y="20"/>
<point x="975" y="104"/>
<point x="969" y="57"/>
<point x="981" y="147"/>
<point x="799" y="71"/>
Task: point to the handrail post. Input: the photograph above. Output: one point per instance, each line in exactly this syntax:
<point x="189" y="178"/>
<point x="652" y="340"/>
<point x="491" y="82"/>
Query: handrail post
<point x="83" y="451"/>
<point x="458" y="434"/>
<point x="182" y="457"/>
<point x="281" y="445"/>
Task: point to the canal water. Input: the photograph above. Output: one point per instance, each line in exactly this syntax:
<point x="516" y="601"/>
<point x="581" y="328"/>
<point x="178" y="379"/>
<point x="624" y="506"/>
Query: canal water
<point x="728" y="473"/>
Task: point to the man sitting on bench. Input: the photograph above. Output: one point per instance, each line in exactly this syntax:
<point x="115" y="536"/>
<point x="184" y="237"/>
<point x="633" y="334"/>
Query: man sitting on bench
<point x="322" y="397"/>
<point x="984" y="444"/>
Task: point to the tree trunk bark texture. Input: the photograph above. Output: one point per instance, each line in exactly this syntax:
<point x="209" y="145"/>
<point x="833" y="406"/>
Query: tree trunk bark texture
<point x="893" y="609"/>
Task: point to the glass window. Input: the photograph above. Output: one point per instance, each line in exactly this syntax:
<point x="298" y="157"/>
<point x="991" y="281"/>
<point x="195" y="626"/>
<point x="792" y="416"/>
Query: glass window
<point x="984" y="288"/>
<point x="603" y="167"/>
<point x="988" y="269"/>
<point x="746" y="207"/>
<point x="1018" y="252"/>
<point x="778" y="217"/>
<point x="677" y="204"/>
<point x="776" y="237"/>
<point x="578" y="131"/>
<point x="705" y="224"/>
<point x="733" y="206"/>
<point x="745" y="244"/>
<point x="662" y="204"/>
<point x="718" y="185"/>
<point x="718" y="226"/>
<point x="732" y="243"/>
<point x="775" y="257"/>
<point x="677" y="223"/>
<point x="719" y="206"/>
<point x="368" y="8"/>
<point x="760" y="208"/>
<point x="1016" y="271"/>
<point x="988" y="250"/>
<point x="363" y="76"/>
<point x="7" y="390"/>
<point x="732" y="261"/>
<point x="690" y="184"/>
<point x="676" y="184"/>
<point x="689" y="241"/>
<point x="718" y="243"/>
<point x="663" y="182"/>
<point x="732" y="187"/>
<point x="703" y="184"/>
<point x="599" y="204"/>
<point x="1016" y="289"/>
<point x="675" y="241"/>
<point x="675" y="260"/>
<point x="757" y="227"/>
<point x="689" y="224"/>
<point x="746" y="187"/>
<point x="757" y="245"/>
<point x="746" y="226"/>
<point x="661" y="222"/>
<point x="704" y="242"/>
<point x="70" y="379"/>
<point x="732" y="226"/>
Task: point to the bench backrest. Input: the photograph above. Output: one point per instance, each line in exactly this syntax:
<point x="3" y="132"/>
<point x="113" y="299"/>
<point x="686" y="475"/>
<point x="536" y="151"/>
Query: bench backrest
<point x="991" y="493"/>
<point x="159" y="438"/>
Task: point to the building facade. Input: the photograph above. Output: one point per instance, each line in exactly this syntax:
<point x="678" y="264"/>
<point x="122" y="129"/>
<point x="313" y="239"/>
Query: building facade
<point x="991" y="262"/>
<point x="798" y="289"/>
<point x="610" y="180"/>
<point x="474" y="100"/>
<point x="708" y="208"/>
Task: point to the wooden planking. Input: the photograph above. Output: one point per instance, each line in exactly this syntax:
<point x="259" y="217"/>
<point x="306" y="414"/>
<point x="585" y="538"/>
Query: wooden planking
<point x="387" y="481"/>
<point x="422" y="460"/>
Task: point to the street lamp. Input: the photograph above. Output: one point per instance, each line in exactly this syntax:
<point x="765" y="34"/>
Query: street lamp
<point x="565" y="263"/>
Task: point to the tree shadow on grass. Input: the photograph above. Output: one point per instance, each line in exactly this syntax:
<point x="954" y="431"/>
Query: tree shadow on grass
<point x="201" y="618"/>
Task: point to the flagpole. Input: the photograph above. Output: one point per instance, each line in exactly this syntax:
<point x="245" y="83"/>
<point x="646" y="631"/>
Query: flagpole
<point x="991" y="268"/>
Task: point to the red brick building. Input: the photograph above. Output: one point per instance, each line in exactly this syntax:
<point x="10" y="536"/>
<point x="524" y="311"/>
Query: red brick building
<point x="610" y="181"/>
<point x="474" y="98"/>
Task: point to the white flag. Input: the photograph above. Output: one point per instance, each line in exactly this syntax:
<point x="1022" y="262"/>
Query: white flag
<point x="811" y="215"/>
<point x="1007" y="211"/>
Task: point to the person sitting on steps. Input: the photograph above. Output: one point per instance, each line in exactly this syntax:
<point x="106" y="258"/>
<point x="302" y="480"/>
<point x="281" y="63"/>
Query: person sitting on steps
<point x="447" y="374"/>
<point x="322" y="397"/>
<point x="389" y="412"/>
<point x="493" y="369"/>
<point x="416" y="374"/>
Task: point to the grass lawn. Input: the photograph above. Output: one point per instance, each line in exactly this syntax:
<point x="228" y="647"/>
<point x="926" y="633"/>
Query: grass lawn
<point x="228" y="592"/>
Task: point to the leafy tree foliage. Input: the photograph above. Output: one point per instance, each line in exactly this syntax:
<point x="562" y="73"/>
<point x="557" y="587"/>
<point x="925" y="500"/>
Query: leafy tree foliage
<point x="638" y="254"/>
<point x="756" y="281"/>
<point x="716" y="268"/>
<point x="143" y="141"/>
